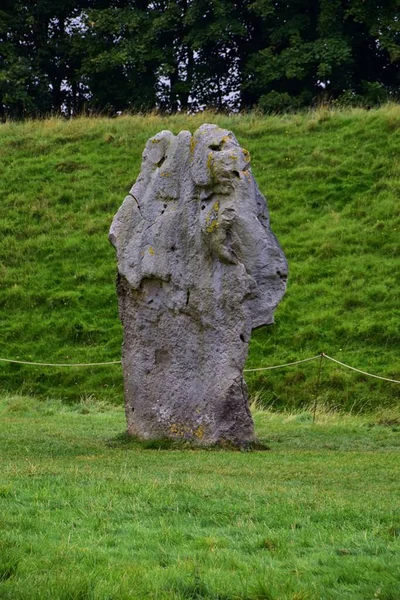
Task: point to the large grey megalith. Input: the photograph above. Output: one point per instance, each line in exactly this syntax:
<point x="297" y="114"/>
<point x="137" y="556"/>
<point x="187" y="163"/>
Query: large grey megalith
<point x="198" y="269"/>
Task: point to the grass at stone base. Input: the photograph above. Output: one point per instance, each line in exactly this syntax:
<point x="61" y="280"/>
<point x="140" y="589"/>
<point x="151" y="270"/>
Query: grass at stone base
<point x="85" y="515"/>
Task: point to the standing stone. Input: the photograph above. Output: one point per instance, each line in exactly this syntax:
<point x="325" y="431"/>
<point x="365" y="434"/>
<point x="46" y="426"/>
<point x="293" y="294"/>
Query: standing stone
<point x="198" y="269"/>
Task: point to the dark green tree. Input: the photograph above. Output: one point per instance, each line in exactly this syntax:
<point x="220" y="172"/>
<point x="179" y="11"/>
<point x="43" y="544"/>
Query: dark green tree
<point x="37" y="64"/>
<point x="121" y="58"/>
<point x="60" y="56"/>
<point x="373" y="29"/>
<point x="176" y="66"/>
<point x="23" y="90"/>
<point x="214" y="32"/>
<point x="322" y="48"/>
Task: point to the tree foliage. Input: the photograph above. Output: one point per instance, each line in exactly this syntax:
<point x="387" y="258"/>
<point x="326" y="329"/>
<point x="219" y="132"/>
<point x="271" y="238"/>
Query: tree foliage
<point x="328" y="47"/>
<point x="59" y="56"/>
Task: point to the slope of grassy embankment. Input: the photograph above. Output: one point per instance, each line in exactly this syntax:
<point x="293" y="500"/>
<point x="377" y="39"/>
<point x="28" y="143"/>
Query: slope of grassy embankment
<point x="332" y="180"/>
<point x="86" y="514"/>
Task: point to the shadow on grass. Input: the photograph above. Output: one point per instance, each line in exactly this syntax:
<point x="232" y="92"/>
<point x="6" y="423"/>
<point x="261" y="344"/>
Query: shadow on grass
<point x="125" y="440"/>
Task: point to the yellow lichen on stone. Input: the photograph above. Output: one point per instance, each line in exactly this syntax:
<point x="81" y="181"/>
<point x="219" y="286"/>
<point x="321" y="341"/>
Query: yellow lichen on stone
<point x="199" y="432"/>
<point x="193" y="144"/>
<point x="246" y="155"/>
<point x="165" y="174"/>
<point x="177" y="430"/>
<point x="181" y="430"/>
<point x="212" y="226"/>
<point x="209" y="160"/>
<point x="151" y="251"/>
<point x="211" y="218"/>
<point x="155" y="140"/>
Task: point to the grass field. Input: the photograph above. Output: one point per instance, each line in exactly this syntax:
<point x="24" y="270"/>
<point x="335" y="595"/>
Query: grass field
<point x="86" y="514"/>
<point x="332" y="179"/>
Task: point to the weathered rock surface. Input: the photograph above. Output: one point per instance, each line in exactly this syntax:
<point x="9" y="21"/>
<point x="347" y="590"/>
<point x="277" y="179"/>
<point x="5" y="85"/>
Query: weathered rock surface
<point x="198" y="269"/>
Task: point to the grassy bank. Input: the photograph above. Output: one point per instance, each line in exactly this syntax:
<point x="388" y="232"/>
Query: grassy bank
<point x="332" y="180"/>
<point x="85" y="514"/>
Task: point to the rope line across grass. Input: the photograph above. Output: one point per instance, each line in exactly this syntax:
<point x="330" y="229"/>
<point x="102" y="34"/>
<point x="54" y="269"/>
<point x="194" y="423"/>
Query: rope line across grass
<point x="118" y="362"/>
<point x="359" y="370"/>
<point x="41" y="364"/>
<point x="296" y="362"/>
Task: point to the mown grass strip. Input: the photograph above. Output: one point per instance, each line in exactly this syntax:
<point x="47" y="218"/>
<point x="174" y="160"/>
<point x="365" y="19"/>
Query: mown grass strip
<point x="87" y="514"/>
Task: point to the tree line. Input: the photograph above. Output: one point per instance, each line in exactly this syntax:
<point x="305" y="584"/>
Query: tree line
<point x="68" y="57"/>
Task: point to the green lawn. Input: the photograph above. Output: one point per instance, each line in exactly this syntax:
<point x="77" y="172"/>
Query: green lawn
<point x="332" y="179"/>
<point x="87" y="514"/>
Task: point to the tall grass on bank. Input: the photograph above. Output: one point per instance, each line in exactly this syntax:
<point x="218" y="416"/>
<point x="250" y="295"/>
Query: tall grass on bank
<point x="87" y="514"/>
<point x="332" y="179"/>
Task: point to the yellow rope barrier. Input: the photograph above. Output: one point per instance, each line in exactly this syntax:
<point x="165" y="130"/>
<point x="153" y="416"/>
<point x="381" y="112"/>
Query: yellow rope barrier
<point x="118" y="362"/>
<point x="359" y="370"/>
<point x="40" y="364"/>
<point x="296" y="362"/>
